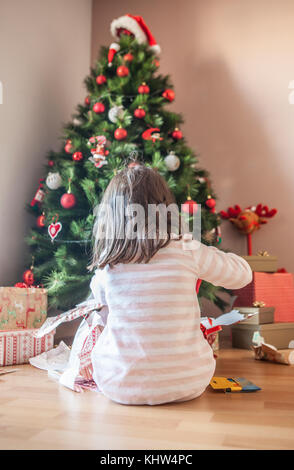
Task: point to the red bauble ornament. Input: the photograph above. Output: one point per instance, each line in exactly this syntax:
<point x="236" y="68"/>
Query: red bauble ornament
<point x="87" y="101"/>
<point x="120" y="133"/>
<point x="68" y="200"/>
<point x="101" y="79"/>
<point x="143" y="89"/>
<point x="190" y="207"/>
<point x="156" y="62"/>
<point x="139" y="113"/>
<point x="28" y="277"/>
<point x="98" y="108"/>
<point x="41" y="221"/>
<point x="177" y="134"/>
<point x="210" y="202"/>
<point x="122" y="71"/>
<point x="77" y="156"/>
<point x="50" y="163"/>
<point x="128" y="57"/>
<point x="68" y="146"/>
<point x="169" y="94"/>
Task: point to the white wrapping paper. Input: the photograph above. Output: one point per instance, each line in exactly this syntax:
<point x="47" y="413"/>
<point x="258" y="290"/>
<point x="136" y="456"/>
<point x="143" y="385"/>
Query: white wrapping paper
<point x="73" y="368"/>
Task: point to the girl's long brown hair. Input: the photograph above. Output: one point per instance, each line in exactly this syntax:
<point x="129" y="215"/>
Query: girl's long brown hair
<point x="139" y="185"/>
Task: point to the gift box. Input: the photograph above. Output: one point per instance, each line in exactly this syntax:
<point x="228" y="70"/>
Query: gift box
<point x="22" y="307"/>
<point x="279" y="334"/>
<point x="275" y="290"/>
<point x="18" y="346"/>
<point x="266" y="263"/>
<point x="257" y="315"/>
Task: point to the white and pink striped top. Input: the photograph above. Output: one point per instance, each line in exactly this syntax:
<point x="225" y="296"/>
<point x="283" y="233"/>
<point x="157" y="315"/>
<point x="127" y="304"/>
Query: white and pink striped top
<point x="152" y="350"/>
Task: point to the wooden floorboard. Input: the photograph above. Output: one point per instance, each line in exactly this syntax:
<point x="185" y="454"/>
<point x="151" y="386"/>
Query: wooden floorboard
<point x="37" y="413"/>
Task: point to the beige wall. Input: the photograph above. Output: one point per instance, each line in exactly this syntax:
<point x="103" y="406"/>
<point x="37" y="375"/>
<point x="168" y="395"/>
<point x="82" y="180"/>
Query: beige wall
<point x="231" y="62"/>
<point x="44" y="57"/>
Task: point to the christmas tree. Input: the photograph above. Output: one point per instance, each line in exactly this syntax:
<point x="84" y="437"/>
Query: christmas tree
<point x="122" y="121"/>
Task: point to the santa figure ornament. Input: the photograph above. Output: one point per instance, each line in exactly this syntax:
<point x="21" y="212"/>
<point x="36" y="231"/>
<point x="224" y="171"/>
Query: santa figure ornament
<point x="152" y="134"/>
<point x="134" y="26"/>
<point x="99" y="152"/>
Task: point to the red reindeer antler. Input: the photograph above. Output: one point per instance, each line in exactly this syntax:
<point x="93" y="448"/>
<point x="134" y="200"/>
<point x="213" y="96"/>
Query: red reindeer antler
<point x="263" y="211"/>
<point x="231" y="213"/>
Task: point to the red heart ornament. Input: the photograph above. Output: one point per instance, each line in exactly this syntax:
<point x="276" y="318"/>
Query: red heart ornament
<point x="54" y="230"/>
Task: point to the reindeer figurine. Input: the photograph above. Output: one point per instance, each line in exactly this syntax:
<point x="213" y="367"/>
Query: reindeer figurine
<point x="249" y="220"/>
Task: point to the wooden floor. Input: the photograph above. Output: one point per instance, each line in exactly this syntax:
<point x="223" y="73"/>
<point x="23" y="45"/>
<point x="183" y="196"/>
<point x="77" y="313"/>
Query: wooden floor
<point x="37" y="413"/>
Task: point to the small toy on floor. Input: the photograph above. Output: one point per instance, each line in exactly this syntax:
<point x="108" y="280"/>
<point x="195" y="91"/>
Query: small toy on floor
<point x="233" y="384"/>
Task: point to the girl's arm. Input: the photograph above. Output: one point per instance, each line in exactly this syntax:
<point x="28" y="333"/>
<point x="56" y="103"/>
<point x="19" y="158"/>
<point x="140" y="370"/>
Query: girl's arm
<point x="98" y="290"/>
<point x="221" y="269"/>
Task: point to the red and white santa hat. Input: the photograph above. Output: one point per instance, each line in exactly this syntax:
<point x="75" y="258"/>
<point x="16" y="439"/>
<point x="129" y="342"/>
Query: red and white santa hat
<point x="130" y="24"/>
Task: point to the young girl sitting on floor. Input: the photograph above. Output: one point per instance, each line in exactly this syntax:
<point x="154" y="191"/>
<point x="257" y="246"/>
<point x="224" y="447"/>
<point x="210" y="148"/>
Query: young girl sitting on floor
<point x="151" y="349"/>
<point x="141" y="342"/>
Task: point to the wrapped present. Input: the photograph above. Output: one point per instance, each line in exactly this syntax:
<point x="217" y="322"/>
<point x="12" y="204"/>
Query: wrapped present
<point x="280" y="334"/>
<point x="22" y="307"/>
<point x="262" y="262"/>
<point x="268" y="352"/>
<point x="18" y="346"/>
<point x="274" y="290"/>
<point x="262" y="314"/>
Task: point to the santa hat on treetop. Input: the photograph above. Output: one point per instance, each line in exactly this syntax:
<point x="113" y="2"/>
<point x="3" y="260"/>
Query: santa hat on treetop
<point x="132" y="25"/>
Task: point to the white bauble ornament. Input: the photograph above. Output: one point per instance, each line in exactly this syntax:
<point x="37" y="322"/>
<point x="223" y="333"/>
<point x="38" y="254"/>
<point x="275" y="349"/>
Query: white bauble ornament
<point x="172" y="161"/>
<point x="77" y="122"/>
<point x="53" y="180"/>
<point x="115" y="113"/>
